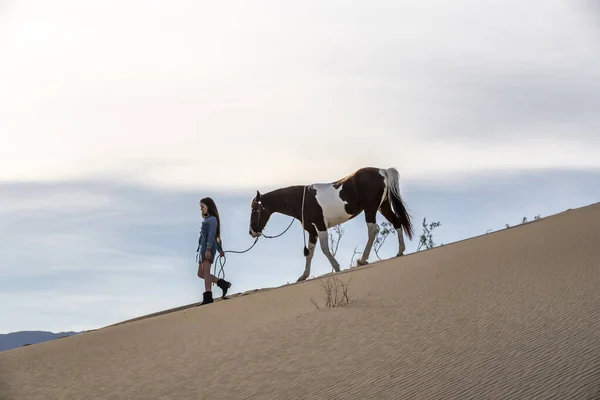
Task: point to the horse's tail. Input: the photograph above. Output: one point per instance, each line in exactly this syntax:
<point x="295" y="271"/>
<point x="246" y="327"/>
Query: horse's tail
<point x="398" y="206"/>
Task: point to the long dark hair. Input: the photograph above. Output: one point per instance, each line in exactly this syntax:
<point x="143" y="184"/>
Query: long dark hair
<point x="211" y="209"/>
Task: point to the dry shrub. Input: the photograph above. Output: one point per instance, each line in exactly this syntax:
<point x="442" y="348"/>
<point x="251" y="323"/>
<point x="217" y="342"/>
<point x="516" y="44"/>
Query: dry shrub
<point x="335" y="292"/>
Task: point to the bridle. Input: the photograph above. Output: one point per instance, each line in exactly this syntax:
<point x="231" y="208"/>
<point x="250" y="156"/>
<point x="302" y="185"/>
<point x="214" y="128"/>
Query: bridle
<point x="258" y="212"/>
<point x="260" y="233"/>
<point x="262" y="207"/>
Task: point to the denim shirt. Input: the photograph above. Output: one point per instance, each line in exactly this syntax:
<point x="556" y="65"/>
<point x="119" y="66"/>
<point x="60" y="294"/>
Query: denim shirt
<point x="208" y="235"/>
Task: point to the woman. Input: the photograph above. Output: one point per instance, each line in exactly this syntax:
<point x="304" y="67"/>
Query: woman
<point x="209" y="243"/>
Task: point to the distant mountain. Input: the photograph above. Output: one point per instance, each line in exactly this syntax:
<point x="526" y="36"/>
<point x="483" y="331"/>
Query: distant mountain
<point x="22" y="338"/>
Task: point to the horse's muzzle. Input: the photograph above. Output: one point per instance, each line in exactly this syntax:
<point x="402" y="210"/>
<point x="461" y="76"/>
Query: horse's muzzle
<point x="254" y="234"/>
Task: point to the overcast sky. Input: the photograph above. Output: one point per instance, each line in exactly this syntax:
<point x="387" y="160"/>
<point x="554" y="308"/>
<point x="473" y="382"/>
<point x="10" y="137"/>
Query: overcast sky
<point x="116" y="117"/>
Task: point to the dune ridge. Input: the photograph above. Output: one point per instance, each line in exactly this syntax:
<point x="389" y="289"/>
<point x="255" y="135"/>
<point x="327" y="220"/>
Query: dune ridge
<point x="508" y="314"/>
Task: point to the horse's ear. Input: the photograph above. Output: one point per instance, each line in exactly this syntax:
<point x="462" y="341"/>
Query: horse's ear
<point x="257" y="195"/>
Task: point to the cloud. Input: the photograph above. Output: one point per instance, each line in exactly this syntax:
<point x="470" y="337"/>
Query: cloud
<point x="246" y="96"/>
<point x="73" y="201"/>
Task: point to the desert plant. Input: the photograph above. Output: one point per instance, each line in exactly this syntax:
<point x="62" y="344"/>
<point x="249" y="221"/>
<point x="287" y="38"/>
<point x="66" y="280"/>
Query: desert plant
<point x="335" y="292"/>
<point x="354" y="255"/>
<point x="524" y="220"/>
<point x="384" y="231"/>
<point x="426" y="238"/>
<point x="335" y="237"/>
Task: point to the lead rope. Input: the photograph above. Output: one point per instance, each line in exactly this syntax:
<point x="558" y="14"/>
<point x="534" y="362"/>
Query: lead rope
<point x="222" y="259"/>
<point x="303" y="230"/>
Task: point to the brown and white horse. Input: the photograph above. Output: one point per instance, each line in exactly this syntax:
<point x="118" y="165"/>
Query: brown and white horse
<point x="320" y="206"/>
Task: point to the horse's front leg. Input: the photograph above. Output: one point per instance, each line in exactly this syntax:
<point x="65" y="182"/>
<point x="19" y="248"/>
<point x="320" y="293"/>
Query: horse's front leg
<point x="312" y="243"/>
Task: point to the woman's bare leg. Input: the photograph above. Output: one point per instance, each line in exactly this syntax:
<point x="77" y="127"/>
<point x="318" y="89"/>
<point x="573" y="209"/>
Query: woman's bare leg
<point x="208" y="278"/>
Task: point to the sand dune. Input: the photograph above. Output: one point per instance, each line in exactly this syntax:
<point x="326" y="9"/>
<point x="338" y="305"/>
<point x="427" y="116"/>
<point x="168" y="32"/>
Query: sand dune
<point x="513" y="314"/>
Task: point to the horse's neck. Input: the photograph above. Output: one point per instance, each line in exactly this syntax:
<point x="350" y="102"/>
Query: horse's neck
<point x="287" y="201"/>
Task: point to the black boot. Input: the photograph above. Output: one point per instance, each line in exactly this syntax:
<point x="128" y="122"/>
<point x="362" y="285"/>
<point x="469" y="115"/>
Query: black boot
<point x="206" y="298"/>
<point x="224" y="285"/>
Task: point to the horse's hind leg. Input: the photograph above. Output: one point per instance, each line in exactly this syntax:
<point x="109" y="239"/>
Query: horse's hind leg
<point x="372" y="230"/>
<point x="388" y="213"/>
<point x="312" y="243"/>
<point x="324" y="241"/>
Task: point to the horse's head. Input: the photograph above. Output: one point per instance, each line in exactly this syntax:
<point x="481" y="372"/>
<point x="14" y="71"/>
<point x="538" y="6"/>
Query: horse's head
<point x="259" y="216"/>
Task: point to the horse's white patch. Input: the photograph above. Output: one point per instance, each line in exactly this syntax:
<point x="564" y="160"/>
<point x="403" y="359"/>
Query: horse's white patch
<point x="328" y="197"/>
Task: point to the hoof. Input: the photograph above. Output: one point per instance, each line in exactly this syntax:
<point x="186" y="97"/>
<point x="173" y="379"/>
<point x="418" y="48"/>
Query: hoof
<point x="359" y="262"/>
<point x="302" y="278"/>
